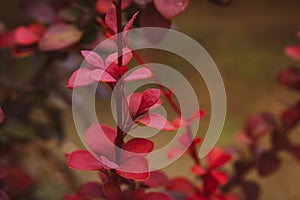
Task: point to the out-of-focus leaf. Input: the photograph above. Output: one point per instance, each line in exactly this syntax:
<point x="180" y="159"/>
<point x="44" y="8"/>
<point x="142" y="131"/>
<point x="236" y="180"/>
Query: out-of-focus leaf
<point x="268" y="163"/>
<point x="2" y="116"/>
<point x="59" y="36"/>
<point x="40" y="11"/>
<point x="251" y="190"/>
<point x="170" y="8"/>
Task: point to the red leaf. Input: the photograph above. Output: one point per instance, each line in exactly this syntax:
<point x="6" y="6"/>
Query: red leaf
<point x="59" y="36"/>
<point x="129" y="24"/>
<point x="156" y="179"/>
<point x="217" y="157"/>
<point x="261" y="124"/>
<point x="210" y="184"/>
<point x="134" y="102"/>
<point x="112" y="191"/>
<point x="139" y="145"/>
<point x="291" y="116"/>
<point x="83" y="160"/>
<point x="100" y="138"/>
<point x="17" y="182"/>
<point x="290" y="77"/>
<point x="93" y="59"/>
<point x="75" y="197"/>
<point x="181" y="185"/>
<point x="220" y="176"/>
<point x="134" y="168"/>
<point x="91" y="189"/>
<point x="3" y="195"/>
<point x="198" y="170"/>
<point x="293" y="52"/>
<point x="2" y="116"/>
<point x="7" y="39"/>
<point x="142" y="2"/>
<point x="28" y="35"/>
<point x="80" y="77"/>
<point x="268" y="163"/>
<point x="171" y="8"/>
<point x="150" y="98"/>
<point x="157" y="196"/>
<point x="156" y="121"/>
<point x="103" y="5"/>
<point x="111" y="19"/>
<point x="23" y="51"/>
<point x="137" y="194"/>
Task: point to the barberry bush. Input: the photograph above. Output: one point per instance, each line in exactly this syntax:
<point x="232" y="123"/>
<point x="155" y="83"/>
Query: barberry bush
<point x="59" y="31"/>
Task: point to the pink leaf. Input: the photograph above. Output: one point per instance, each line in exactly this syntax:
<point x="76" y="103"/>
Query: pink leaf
<point x="260" y="124"/>
<point x="175" y="153"/>
<point x="93" y="59"/>
<point x="2" y="116"/>
<point x="91" y="189"/>
<point x="113" y="58"/>
<point x="157" y="121"/>
<point x="140" y="73"/>
<point x="217" y="157"/>
<point x="83" y="160"/>
<point x="156" y="179"/>
<point x="293" y="52"/>
<point x="150" y="98"/>
<point x="171" y="8"/>
<point x="134" y="168"/>
<point x="198" y="114"/>
<point x="129" y="24"/>
<point x="111" y="19"/>
<point x="157" y="196"/>
<point x="220" y="176"/>
<point x="101" y="75"/>
<point x="100" y="138"/>
<point x="28" y="35"/>
<point x="80" y="77"/>
<point x="112" y="191"/>
<point x="59" y="36"/>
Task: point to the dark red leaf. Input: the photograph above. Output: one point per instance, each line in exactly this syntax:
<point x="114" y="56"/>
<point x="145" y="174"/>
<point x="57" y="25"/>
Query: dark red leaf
<point x="59" y="36"/>
<point x="40" y="11"/>
<point x="17" y="182"/>
<point x="157" y="196"/>
<point x="142" y="2"/>
<point x="251" y="190"/>
<point x="3" y="173"/>
<point x="2" y="116"/>
<point x="293" y="52"/>
<point x="103" y="5"/>
<point x="3" y="195"/>
<point x="75" y="197"/>
<point x="295" y="151"/>
<point x="91" y="189"/>
<point x="23" y="51"/>
<point x="112" y="191"/>
<point x="217" y="158"/>
<point x="221" y="2"/>
<point x="150" y="17"/>
<point x="268" y="163"/>
<point x="290" y="77"/>
<point x="28" y="35"/>
<point x="129" y="24"/>
<point x="111" y="19"/>
<point x="156" y="179"/>
<point x="171" y="8"/>
<point x="139" y="145"/>
<point x="83" y="160"/>
<point x="291" y="116"/>
<point x="210" y="183"/>
<point x="137" y="194"/>
<point x="156" y="121"/>
<point x="150" y="98"/>
<point x="7" y="39"/>
<point x="182" y="185"/>
<point x="261" y="124"/>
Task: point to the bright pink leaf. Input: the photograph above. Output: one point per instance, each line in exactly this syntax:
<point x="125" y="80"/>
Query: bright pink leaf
<point x="170" y="8"/>
<point x="157" y="196"/>
<point x="93" y="59"/>
<point x="112" y="191"/>
<point x="220" y="176"/>
<point x="217" y="157"/>
<point x="111" y="19"/>
<point x="157" y="121"/>
<point x="101" y="75"/>
<point x="7" y="39"/>
<point x="134" y="168"/>
<point x="83" y="160"/>
<point x="28" y="35"/>
<point x="156" y="179"/>
<point x="80" y="77"/>
<point x="59" y="36"/>
<point x="140" y="73"/>
<point x="113" y="58"/>
<point x="2" y="116"/>
<point x="91" y="189"/>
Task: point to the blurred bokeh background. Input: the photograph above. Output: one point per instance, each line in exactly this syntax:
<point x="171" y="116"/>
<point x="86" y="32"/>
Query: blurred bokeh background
<point x="246" y="40"/>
